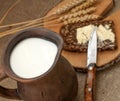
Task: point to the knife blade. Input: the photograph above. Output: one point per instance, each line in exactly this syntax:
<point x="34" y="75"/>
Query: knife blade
<point x="91" y="64"/>
<point x="92" y="48"/>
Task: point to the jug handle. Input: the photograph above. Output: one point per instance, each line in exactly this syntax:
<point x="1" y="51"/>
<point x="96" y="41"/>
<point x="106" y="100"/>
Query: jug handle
<point x="5" y="92"/>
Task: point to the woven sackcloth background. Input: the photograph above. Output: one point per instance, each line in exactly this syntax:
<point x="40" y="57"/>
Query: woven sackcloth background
<point x="108" y="80"/>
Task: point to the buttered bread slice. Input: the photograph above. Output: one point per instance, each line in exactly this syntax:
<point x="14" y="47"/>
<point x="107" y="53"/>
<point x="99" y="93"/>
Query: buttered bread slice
<point x="76" y="36"/>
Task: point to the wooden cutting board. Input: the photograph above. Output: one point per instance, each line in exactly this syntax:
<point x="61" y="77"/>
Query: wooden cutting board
<point x="106" y="58"/>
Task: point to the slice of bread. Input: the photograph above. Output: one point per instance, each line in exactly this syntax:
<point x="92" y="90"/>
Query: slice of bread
<point x="76" y="36"/>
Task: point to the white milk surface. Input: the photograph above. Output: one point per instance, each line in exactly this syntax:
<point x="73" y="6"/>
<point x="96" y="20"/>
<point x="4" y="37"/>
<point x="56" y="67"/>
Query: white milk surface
<point x="32" y="57"/>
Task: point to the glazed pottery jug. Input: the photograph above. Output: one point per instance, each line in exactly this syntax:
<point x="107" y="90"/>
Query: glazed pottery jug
<point x="59" y="83"/>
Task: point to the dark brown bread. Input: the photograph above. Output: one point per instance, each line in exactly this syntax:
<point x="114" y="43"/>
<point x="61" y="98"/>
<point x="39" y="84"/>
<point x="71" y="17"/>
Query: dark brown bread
<point x="68" y="32"/>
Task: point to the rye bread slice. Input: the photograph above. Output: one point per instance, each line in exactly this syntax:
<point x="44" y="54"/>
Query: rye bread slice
<point x="69" y="34"/>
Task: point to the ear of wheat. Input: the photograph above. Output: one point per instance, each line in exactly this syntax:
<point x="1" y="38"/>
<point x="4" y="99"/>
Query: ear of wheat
<point x="85" y="5"/>
<point x="76" y="14"/>
<point x="84" y="18"/>
<point x="53" y="15"/>
<point x="54" y="19"/>
<point x="67" y="7"/>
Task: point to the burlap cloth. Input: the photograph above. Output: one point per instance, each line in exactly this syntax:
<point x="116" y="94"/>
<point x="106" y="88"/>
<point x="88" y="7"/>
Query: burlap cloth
<point x="107" y="81"/>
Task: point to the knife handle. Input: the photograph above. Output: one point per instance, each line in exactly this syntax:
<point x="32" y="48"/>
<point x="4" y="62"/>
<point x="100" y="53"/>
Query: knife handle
<point x="90" y="83"/>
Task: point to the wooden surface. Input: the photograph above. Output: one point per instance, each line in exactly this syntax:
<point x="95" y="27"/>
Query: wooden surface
<point x="107" y="81"/>
<point x="78" y="60"/>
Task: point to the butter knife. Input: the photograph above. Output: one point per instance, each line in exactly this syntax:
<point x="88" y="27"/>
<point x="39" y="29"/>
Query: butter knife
<point x="91" y="66"/>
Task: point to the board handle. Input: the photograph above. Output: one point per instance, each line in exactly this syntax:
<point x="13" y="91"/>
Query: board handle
<point x="90" y="83"/>
<point x="5" y="92"/>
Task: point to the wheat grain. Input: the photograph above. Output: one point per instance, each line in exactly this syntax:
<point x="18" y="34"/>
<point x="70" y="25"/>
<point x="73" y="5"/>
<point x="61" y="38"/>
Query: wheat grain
<point x="67" y="7"/>
<point x="76" y="14"/>
<point x="84" y="18"/>
<point x="85" y="5"/>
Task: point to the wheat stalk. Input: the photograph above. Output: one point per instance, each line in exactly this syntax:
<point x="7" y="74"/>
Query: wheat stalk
<point x="49" y="17"/>
<point x="51" y="20"/>
<point x="67" y="7"/>
<point x="5" y="15"/>
<point x="40" y="20"/>
<point x="51" y="23"/>
<point x="76" y="14"/>
<point x="84" y="18"/>
<point x="29" y="25"/>
<point x="85" y="5"/>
